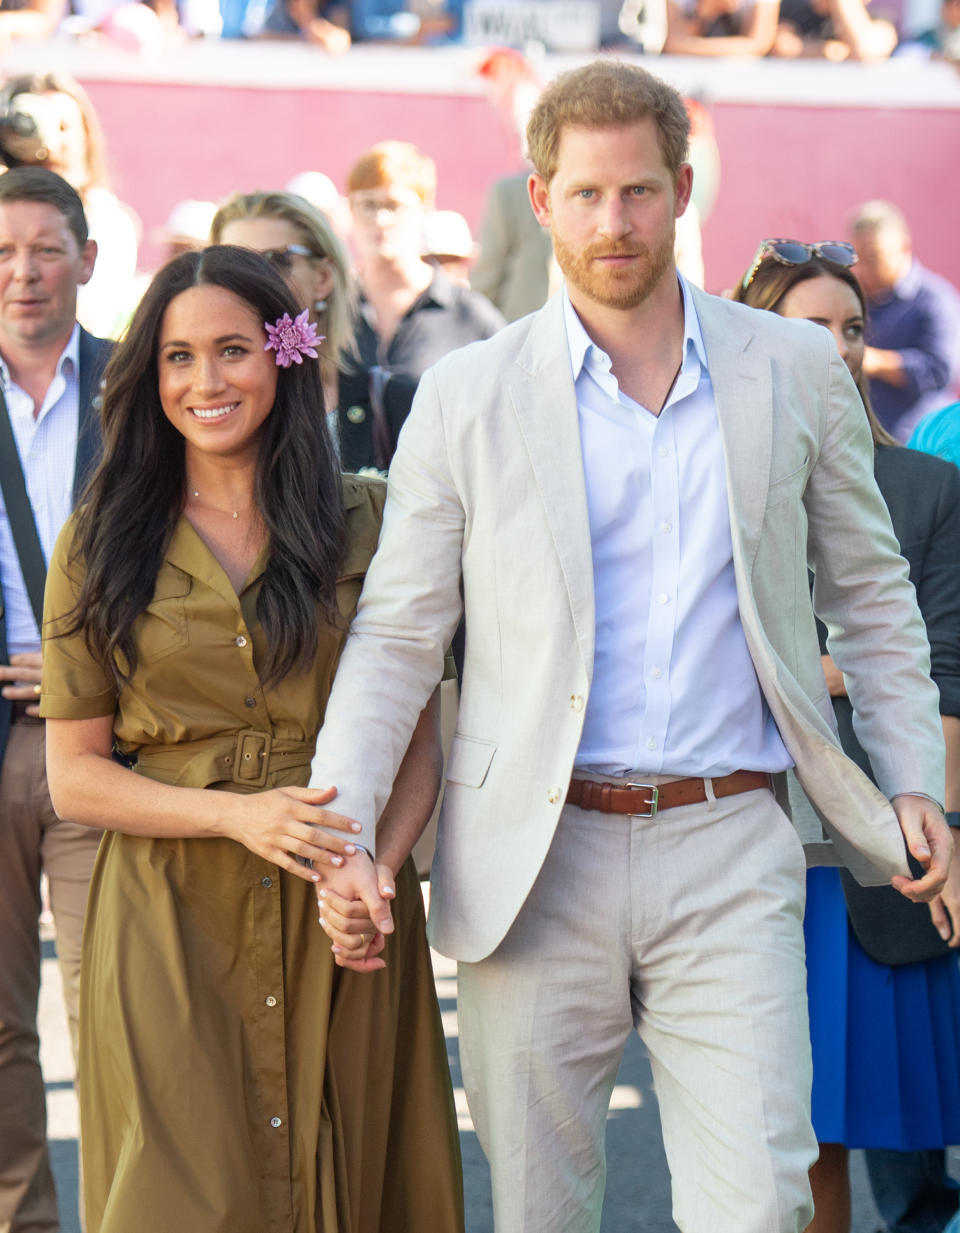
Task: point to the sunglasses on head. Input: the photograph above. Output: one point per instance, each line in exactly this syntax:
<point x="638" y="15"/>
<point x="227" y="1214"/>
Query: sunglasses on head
<point x="282" y="258"/>
<point x="795" y="252"/>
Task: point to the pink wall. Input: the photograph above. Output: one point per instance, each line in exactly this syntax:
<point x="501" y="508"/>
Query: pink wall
<point x="787" y="169"/>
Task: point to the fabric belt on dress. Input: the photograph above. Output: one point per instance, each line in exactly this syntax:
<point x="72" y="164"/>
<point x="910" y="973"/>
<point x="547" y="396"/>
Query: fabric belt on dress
<point x="246" y="758"/>
<point x="645" y="800"/>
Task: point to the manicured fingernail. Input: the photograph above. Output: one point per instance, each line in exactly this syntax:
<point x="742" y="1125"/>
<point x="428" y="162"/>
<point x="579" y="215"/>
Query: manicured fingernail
<point x="323" y="920"/>
<point x="336" y="860"/>
<point x="349" y="849"/>
<point x="356" y="827"/>
<point x="944" y="931"/>
<point x="337" y="950"/>
<point x="314" y="877"/>
<point x="387" y="890"/>
<point x="321" y="894"/>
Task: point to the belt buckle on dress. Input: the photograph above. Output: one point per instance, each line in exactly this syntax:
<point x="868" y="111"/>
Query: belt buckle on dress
<point x="251" y="758"/>
<point x="654" y="803"/>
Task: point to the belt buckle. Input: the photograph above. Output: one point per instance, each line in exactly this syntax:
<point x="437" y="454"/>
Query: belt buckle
<point x="251" y="758"/>
<point x="654" y="803"/>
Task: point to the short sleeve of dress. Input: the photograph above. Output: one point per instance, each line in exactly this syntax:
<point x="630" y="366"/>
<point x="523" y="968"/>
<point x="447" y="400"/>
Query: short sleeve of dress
<point x="74" y="685"/>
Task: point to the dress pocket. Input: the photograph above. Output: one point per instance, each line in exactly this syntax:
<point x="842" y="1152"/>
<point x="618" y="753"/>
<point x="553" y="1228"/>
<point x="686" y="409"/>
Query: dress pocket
<point x="162" y="627"/>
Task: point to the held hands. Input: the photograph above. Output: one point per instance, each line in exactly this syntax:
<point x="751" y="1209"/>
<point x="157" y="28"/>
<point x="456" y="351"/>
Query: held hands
<point x="280" y="826"/>
<point x="23" y="673"/>
<point x="355" y="911"/>
<point x="929" y="841"/>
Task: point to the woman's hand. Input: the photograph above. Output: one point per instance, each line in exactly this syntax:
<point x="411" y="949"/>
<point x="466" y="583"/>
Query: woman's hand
<point x="945" y="907"/>
<point x="355" y="912"/>
<point x="280" y="826"/>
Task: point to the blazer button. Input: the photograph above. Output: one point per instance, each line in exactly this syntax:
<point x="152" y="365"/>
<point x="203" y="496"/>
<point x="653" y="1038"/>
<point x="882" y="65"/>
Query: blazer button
<point x="576" y="702"/>
<point x="553" y="795"/>
<point x="249" y="701"/>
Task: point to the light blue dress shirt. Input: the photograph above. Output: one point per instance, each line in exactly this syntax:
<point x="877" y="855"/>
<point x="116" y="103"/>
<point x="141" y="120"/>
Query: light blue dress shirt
<point x="674" y="689"/>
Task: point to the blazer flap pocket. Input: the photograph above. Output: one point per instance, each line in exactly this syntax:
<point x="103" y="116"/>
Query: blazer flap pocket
<point x="469" y="760"/>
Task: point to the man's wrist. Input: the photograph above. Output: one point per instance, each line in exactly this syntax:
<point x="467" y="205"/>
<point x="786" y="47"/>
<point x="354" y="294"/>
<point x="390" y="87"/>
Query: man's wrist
<point x="925" y="795"/>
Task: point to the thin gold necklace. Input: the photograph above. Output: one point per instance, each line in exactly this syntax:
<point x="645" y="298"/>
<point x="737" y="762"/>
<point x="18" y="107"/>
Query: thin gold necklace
<point x="196" y="496"/>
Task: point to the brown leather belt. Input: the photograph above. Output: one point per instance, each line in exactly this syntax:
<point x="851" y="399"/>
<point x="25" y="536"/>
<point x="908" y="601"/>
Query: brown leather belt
<point x="645" y="800"/>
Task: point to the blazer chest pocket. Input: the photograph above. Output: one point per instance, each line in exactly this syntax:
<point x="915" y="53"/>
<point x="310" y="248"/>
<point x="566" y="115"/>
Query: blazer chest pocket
<point x="162" y="627"/>
<point x="469" y="760"/>
<point x="788" y="486"/>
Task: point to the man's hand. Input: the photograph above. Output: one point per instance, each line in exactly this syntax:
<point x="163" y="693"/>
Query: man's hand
<point x="24" y="673"/>
<point x="929" y="841"/>
<point x="945" y="907"/>
<point x="355" y="912"/>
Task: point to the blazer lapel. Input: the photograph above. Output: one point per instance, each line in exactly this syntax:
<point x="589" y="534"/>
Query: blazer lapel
<point x="93" y="356"/>
<point x="742" y="389"/>
<point x="542" y="392"/>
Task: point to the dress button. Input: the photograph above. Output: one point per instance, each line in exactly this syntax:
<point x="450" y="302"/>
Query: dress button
<point x="576" y="702"/>
<point x="266" y="883"/>
<point x="249" y="701"/>
<point x="275" y="1122"/>
<point x="240" y="640"/>
<point x="553" y="795"/>
<point x="271" y="1000"/>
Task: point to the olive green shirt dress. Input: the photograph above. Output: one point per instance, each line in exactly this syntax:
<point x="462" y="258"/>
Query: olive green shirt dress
<point x="232" y="1078"/>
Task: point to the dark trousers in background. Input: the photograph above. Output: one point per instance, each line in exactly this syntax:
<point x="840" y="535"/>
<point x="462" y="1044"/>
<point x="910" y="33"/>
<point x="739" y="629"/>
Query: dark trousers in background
<point x="912" y="1191"/>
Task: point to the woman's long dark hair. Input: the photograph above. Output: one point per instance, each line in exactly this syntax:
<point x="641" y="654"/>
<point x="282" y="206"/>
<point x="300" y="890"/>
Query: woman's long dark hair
<point x="135" y="497"/>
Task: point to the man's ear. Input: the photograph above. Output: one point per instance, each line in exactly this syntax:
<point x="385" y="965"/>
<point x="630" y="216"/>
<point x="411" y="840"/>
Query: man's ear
<point x="539" y="198"/>
<point x="88" y="259"/>
<point x="684" y="188"/>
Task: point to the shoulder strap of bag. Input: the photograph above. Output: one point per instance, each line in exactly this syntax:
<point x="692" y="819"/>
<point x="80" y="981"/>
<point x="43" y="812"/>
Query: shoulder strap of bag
<point x="23" y="527"/>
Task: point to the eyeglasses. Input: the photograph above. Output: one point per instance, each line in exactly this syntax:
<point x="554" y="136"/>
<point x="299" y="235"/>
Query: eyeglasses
<point x="370" y="208"/>
<point x="795" y="252"/>
<point x="282" y="258"/>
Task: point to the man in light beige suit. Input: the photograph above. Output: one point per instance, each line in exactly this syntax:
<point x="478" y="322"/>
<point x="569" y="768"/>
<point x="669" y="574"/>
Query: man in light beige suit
<point x="621" y="492"/>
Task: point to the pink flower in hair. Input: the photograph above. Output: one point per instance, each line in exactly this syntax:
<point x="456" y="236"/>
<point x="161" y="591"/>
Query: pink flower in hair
<point x="292" y="340"/>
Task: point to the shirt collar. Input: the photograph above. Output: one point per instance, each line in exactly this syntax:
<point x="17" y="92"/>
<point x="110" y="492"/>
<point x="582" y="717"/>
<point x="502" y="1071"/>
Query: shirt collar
<point x="69" y="355"/>
<point x="580" y="342"/>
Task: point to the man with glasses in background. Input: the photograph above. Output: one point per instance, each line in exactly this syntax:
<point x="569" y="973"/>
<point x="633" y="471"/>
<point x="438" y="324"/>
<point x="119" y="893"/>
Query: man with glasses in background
<point x="410" y="314"/>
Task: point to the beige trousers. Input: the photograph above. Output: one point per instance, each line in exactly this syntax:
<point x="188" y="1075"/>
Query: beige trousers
<point x="687" y="927"/>
<point x="33" y="840"/>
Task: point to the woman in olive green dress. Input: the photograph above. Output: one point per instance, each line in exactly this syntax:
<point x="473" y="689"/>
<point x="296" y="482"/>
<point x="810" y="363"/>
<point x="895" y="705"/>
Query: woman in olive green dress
<point x="235" y="1076"/>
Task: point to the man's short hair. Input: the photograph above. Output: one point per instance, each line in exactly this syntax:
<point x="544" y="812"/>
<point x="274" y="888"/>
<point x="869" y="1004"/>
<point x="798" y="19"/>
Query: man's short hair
<point x="394" y="162"/>
<point x="877" y="216"/>
<point x="41" y="184"/>
<point x="606" y="94"/>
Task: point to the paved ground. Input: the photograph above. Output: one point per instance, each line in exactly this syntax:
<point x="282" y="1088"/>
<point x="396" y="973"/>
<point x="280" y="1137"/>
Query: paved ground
<point x="638" y="1199"/>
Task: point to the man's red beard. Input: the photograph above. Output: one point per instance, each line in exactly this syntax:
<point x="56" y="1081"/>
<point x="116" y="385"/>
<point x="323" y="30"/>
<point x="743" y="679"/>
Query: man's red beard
<point x="614" y="288"/>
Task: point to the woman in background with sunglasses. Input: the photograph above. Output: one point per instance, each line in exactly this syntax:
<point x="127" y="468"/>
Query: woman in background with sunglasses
<point x="873" y="1022"/>
<point x="301" y="244"/>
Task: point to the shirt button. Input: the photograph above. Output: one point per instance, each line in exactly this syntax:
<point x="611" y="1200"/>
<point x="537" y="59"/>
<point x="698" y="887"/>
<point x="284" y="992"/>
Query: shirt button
<point x="266" y="883"/>
<point x="553" y="795"/>
<point x="576" y="702"/>
<point x="656" y="674"/>
<point x="240" y="640"/>
<point x="652" y="744"/>
<point x="663" y="598"/>
<point x="666" y="527"/>
<point x="663" y="451"/>
<point x="271" y="1000"/>
<point x="275" y="1122"/>
<point x="249" y="701"/>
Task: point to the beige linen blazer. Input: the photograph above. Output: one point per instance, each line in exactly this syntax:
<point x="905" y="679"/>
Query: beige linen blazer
<point x="486" y="512"/>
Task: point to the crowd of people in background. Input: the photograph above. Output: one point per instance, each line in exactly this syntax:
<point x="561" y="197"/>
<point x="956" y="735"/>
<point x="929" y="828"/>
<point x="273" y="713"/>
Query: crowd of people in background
<point x="833" y="30"/>
<point x="391" y="284"/>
